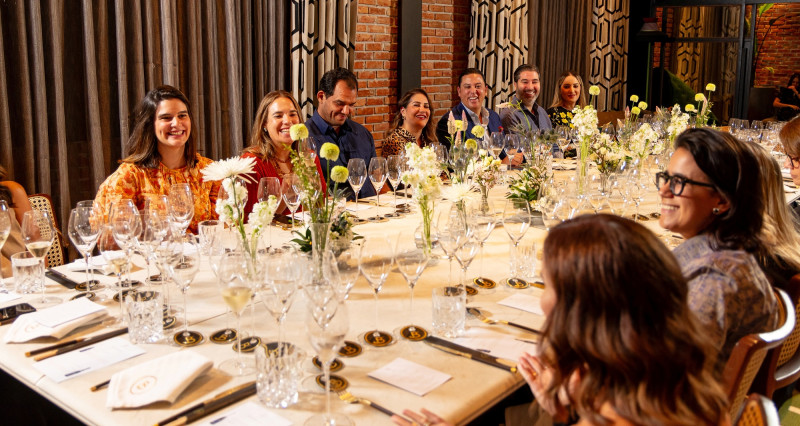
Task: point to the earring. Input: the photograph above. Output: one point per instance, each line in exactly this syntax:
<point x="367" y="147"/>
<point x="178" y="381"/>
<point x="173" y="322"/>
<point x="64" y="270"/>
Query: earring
<point x="715" y="210"/>
<point x="403" y="117"/>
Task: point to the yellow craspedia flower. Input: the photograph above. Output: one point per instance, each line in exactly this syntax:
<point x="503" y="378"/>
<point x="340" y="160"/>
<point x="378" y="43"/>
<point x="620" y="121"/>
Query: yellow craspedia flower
<point x="339" y="174"/>
<point x="329" y="151"/>
<point x="689" y="108"/>
<point x="298" y="131"/>
<point x="635" y="111"/>
<point x="471" y="144"/>
<point x="642" y="105"/>
<point x="594" y="90"/>
<point x="711" y="87"/>
<point x="458" y="125"/>
<point x="478" y="131"/>
<point x="634" y="98"/>
<point x="699" y="97"/>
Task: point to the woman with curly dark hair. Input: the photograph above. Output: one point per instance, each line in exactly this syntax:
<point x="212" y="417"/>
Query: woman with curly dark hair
<point x="411" y="124"/>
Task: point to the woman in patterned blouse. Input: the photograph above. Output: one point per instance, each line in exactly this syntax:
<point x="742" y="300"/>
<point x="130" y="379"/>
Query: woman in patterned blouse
<point x="412" y="123"/>
<point x="271" y="143"/>
<point x="161" y="152"/>
<point x="569" y="92"/>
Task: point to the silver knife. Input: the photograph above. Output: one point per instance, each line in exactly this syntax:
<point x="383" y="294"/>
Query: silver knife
<point x="456" y="349"/>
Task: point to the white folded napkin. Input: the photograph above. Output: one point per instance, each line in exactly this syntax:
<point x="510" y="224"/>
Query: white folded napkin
<point x="410" y="376"/>
<point x="161" y="379"/>
<point x="28" y="327"/>
<point x="95" y="262"/>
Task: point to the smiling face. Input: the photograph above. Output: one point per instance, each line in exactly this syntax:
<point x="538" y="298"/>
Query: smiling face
<point x="281" y="115"/>
<point x="528" y="86"/>
<point x="691" y="212"/>
<point x="172" y="125"/>
<point x="336" y="108"/>
<point x="417" y="113"/>
<point x="570" y="90"/>
<point x="472" y="92"/>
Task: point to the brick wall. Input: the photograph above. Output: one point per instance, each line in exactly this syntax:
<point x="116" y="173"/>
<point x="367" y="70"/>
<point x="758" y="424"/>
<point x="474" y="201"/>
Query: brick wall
<point x="445" y="40"/>
<point x="667" y="28"/>
<point x="779" y="48"/>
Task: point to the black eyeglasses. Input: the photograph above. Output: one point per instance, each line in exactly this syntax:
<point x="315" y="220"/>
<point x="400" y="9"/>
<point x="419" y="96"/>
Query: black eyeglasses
<point x="795" y="162"/>
<point x="677" y="183"/>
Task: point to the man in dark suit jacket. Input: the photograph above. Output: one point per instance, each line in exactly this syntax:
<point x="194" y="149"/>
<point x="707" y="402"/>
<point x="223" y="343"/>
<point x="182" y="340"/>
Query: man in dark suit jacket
<point x="472" y="91"/>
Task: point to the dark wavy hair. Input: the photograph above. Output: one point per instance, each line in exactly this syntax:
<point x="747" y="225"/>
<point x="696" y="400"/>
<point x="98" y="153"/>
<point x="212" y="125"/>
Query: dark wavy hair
<point x="621" y="321"/>
<point x="142" y="146"/>
<point x="328" y="81"/>
<point x="429" y="131"/>
<point x="791" y="79"/>
<point x="735" y="173"/>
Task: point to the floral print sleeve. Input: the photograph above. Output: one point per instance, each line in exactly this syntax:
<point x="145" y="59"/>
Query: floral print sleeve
<point x="560" y="116"/>
<point x="139" y="183"/>
<point x="396" y="143"/>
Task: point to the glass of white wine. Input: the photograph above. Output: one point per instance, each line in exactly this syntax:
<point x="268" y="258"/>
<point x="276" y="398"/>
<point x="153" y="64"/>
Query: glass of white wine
<point x="236" y="294"/>
<point x="38" y="235"/>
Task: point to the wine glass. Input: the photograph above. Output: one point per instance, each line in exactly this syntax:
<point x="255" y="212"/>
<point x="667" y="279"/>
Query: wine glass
<point x="83" y="228"/>
<point x="326" y="338"/>
<point x="225" y="241"/>
<point x="562" y="139"/>
<point x="280" y="286"/>
<point x="464" y="254"/>
<point x="616" y="195"/>
<point x="484" y="223"/>
<point x="38" y="235"/>
<point x="183" y="263"/>
<point x="206" y="234"/>
<point x="394" y="170"/>
<point x="377" y="176"/>
<point x="181" y="205"/>
<point x="154" y="230"/>
<point x="126" y="226"/>
<point x="375" y="262"/>
<point x="411" y="262"/>
<point x="345" y="265"/>
<point x="5" y="230"/>
<point x="269" y="186"/>
<point x="452" y="229"/>
<point x="516" y="220"/>
<point x="236" y="294"/>
<point x="115" y="256"/>
<point x="512" y="146"/>
<point x="357" y="176"/>
<point x="497" y="143"/>
<point x="290" y="196"/>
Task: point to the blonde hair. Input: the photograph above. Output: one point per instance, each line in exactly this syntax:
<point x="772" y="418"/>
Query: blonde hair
<point x="557" y="101"/>
<point x="260" y="142"/>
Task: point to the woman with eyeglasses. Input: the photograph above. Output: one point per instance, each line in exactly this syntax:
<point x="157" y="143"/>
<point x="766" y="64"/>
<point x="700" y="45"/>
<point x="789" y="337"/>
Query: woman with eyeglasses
<point x="790" y="139"/>
<point x="711" y="194"/>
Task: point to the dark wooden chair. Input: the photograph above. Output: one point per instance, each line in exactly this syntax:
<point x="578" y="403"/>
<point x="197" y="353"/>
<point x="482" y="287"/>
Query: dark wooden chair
<point x="750" y="352"/>
<point x="43" y="202"/>
<point x="758" y="411"/>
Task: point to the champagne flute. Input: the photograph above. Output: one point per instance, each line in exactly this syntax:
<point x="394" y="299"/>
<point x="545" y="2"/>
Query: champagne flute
<point x="377" y="176"/>
<point x="38" y="235"/>
<point x="181" y="205"/>
<point x="394" y="170"/>
<point x="516" y="221"/>
<point x="357" y="176"/>
<point x="375" y="262"/>
<point x="411" y="262"/>
<point x="290" y="196"/>
<point x="326" y="339"/>
<point x="183" y="263"/>
<point x="5" y="230"/>
<point x="236" y="294"/>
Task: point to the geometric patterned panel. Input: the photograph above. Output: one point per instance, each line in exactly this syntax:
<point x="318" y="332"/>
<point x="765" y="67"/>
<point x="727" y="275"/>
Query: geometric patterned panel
<point x="688" y="55"/>
<point x="322" y="38"/>
<point x="608" y="55"/>
<point x="498" y="44"/>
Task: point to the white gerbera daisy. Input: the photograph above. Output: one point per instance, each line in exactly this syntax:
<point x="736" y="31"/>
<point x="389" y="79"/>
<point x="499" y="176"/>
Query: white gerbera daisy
<point x="458" y="192"/>
<point x="232" y="167"/>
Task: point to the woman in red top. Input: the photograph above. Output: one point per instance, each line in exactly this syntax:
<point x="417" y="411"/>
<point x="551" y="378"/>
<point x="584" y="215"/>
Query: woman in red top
<point x="271" y="144"/>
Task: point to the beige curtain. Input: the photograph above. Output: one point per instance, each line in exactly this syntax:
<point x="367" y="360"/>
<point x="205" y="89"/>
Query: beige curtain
<point x="608" y="53"/>
<point x="72" y="72"/>
<point x="558" y="27"/>
<point x="322" y="38"/>
<point x="498" y="44"/>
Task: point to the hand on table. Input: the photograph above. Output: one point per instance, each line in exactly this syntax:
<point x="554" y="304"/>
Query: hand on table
<point x="425" y="419"/>
<point x="539" y="377"/>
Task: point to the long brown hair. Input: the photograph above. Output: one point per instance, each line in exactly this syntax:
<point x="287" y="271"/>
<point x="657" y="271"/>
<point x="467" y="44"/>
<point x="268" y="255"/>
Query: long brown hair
<point x="621" y="321"/>
<point x="142" y="143"/>
<point x="790" y="137"/>
<point x="429" y="131"/>
<point x="260" y="142"/>
<point x="557" y="101"/>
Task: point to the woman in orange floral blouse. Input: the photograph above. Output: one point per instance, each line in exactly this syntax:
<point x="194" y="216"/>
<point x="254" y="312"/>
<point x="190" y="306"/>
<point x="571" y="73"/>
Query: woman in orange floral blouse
<point x="412" y="123"/>
<point x="161" y="152"/>
<point x="271" y="144"/>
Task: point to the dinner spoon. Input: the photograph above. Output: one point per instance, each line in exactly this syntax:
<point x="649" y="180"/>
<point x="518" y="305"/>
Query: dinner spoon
<point x="479" y="315"/>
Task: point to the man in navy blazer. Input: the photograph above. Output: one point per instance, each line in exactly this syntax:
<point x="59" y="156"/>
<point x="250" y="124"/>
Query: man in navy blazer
<point x="472" y="91"/>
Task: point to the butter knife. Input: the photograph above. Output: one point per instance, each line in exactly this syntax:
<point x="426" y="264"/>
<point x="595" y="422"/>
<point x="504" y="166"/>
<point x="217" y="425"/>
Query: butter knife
<point x="60" y="278"/>
<point x="456" y="349"/>
<point x="219" y="401"/>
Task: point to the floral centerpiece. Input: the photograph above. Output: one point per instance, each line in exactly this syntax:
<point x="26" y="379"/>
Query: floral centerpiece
<point x="585" y="121"/>
<point x="487" y="173"/>
<point x="339" y="239"/>
<point x="527" y="184"/>
<point x="678" y="122"/>
<point x="234" y="173"/>
<point x="422" y="176"/>
<point x="643" y="142"/>
<point x="606" y="153"/>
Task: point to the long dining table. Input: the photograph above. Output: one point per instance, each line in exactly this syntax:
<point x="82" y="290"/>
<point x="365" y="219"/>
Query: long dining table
<point x="473" y="388"/>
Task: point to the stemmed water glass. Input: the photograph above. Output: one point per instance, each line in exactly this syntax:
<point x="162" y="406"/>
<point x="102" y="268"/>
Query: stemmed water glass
<point x="183" y="263"/>
<point x="452" y="230"/>
<point x="326" y="334"/>
<point x="394" y="170"/>
<point x="411" y="262"/>
<point x="126" y="226"/>
<point x="484" y="223"/>
<point x="115" y="256"/>
<point x="375" y="262"/>
<point x="181" y="205"/>
<point x="83" y="229"/>
<point x="38" y="235"/>
<point x="280" y="286"/>
<point x="290" y="196"/>
<point x="269" y="186"/>
<point x="377" y="176"/>
<point x="464" y="254"/>
<point x="357" y="176"/>
<point x="516" y="220"/>
<point x="5" y="230"/>
<point x="236" y="294"/>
